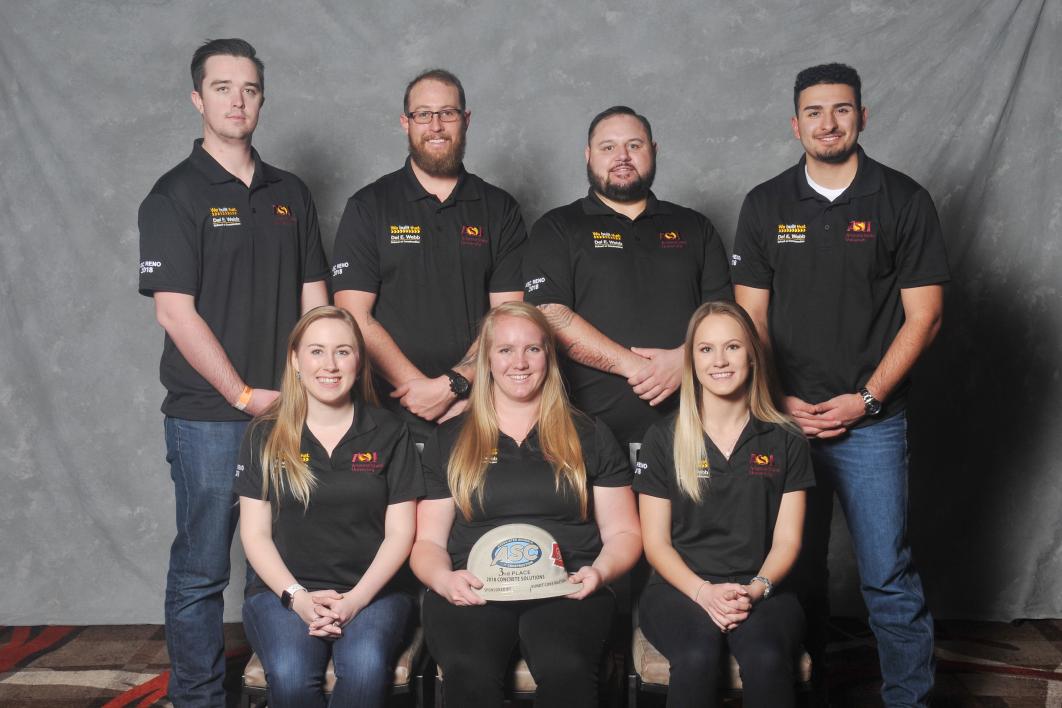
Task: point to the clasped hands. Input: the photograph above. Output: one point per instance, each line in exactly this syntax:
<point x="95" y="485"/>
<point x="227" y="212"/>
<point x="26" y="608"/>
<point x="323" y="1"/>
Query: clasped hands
<point x="657" y="373"/>
<point x="829" y="418"/>
<point x="326" y="612"/>
<point x="727" y="604"/>
<point x="430" y="399"/>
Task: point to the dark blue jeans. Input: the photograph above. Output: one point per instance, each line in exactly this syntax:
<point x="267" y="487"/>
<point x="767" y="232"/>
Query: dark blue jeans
<point x="867" y="468"/>
<point x="295" y="662"/>
<point x="202" y="457"/>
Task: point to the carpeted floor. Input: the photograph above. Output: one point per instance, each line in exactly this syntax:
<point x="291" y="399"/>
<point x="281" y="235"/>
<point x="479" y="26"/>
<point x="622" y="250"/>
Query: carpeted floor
<point x="978" y="664"/>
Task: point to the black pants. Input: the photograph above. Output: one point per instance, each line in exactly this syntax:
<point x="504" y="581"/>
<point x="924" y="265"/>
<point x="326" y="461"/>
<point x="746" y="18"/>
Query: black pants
<point x="766" y="646"/>
<point x="561" y="639"/>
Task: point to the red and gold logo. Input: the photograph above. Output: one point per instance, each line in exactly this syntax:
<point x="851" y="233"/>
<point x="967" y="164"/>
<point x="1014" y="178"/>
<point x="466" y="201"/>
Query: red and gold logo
<point x="672" y="239"/>
<point x="281" y="210"/>
<point x="365" y="462"/>
<point x="762" y="465"/>
<point x="859" y="232"/>
<point x="473" y="236"/>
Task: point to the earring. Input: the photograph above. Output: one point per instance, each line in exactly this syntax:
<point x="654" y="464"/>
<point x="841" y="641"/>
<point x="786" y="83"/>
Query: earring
<point x="298" y="376"/>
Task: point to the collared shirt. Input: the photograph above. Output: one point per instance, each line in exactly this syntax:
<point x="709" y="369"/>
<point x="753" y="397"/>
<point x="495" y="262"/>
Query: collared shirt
<point x="637" y="281"/>
<point x="520" y="488"/>
<point x="331" y="543"/>
<point x="835" y="271"/>
<point x="431" y="264"/>
<point x="729" y="533"/>
<point x="244" y="254"/>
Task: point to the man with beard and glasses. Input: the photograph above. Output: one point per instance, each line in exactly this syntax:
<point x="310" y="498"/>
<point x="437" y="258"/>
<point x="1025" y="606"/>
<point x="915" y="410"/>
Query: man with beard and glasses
<point x="422" y="253"/>
<point x="618" y="273"/>
<point x="840" y="262"/>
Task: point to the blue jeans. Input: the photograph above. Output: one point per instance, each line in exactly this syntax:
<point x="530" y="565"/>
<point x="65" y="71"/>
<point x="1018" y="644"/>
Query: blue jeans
<point x="867" y="468"/>
<point x="202" y="457"/>
<point x="295" y="662"/>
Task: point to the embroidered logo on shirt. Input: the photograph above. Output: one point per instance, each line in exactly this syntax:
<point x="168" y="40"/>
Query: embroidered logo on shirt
<point x="149" y="266"/>
<point x="704" y="471"/>
<point x="672" y="239"/>
<point x="304" y="456"/>
<point x="640" y="467"/>
<point x="792" y="233"/>
<point x="734" y="260"/>
<point x="859" y="232"/>
<point x="606" y="239"/>
<point x="533" y="284"/>
<point x="239" y="468"/>
<point x="473" y="236"/>
<point x="404" y="234"/>
<point x="338" y="268"/>
<point x="365" y="462"/>
<point x="492" y="458"/>
<point x="224" y="216"/>
<point x="762" y="465"/>
<point x="282" y="214"/>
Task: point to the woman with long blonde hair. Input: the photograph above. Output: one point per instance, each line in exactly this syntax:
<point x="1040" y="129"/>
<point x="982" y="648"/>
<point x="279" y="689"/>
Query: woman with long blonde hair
<point x="328" y="485"/>
<point x="721" y="494"/>
<point x="521" y="454"/>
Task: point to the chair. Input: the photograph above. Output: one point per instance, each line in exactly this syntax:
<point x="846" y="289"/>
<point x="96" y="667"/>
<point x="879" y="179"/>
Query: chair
<point x="409" y="675"/>
<point x="650" y="670"/>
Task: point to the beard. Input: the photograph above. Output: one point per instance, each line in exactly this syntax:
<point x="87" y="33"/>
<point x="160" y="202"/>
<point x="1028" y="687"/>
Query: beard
<point x="445" y="164"/>
<point x="633" y="191"/>
<point x="835" y="157"/>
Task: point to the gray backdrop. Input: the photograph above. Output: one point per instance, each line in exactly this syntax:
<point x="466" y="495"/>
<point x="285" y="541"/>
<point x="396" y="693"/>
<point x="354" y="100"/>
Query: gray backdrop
<point x="963" y="96"/>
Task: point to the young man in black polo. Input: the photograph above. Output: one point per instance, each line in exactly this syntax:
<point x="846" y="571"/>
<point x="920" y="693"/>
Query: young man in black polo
<point x="422" y="254"/>
<point x="231" y="254"/>
<point x="618" y="273"/>
<point x="840" y="261"/>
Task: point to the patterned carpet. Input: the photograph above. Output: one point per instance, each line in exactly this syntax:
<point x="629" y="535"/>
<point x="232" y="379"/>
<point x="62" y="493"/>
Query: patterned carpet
<point x="979" y="664"/>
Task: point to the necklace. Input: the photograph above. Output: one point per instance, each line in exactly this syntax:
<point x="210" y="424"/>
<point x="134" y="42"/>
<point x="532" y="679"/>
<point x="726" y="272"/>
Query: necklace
<point x="726" y="445"/>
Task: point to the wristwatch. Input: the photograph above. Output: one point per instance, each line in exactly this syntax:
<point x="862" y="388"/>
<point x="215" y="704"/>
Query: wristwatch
<point x="870" y="404"/>
<point x="288" y="595"/>
<point x="459" y="385"/>
<point x="767" y="585"/>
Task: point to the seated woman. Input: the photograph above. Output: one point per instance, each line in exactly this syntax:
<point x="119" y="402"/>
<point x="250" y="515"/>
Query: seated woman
<point x="722" y="511"/>
<point x="328" y="485"/>
<point x="521" y="454"/>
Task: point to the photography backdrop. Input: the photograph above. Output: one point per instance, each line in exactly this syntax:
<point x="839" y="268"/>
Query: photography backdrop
<point x="966" y="97"/>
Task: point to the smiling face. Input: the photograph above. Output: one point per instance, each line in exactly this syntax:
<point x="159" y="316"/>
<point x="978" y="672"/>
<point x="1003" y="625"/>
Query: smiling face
<point x="828" y="122"/>
<point x="231" y="98"/>
<point x="436" y="147"/>
<point x="721" y="357"/>
<point x="517" y="359"/>
<point x="327" y="361"/>
<point x="620" y="159"/>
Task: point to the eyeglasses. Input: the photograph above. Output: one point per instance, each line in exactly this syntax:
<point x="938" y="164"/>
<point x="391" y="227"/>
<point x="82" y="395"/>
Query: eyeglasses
<point x="446" y="115"/>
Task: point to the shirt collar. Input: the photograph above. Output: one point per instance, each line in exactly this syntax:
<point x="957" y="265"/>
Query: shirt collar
<point x="867" y="180"/>
<point x="364" y="422"/>
<point x="466" y="189"/>
<point x="592" y="204"/>
<point x="205" y="163"/>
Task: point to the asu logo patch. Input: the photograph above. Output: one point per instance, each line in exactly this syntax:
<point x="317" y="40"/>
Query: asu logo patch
<point x="473" y="236"/>
<point x="672" y="239"/>
<point x="859" y="232"/>
<point x="762" y="465"/>
<point x="282" y="214"/>
<point x="366" y="462"/>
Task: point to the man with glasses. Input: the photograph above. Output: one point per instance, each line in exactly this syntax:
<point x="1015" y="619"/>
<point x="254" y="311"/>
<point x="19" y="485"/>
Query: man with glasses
<point x="618" y="273"/>
<point x="422" y="253"/>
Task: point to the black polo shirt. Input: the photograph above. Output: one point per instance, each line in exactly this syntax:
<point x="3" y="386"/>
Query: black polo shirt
<point x="520" y="489"/>
<point x="244" y="253"/>
<point x="431" y="264"/>
<point x="730" y="532"/>
<point x="330" y="544"/>
<point x="636" y="281"/>
<point x="835" y="271"/>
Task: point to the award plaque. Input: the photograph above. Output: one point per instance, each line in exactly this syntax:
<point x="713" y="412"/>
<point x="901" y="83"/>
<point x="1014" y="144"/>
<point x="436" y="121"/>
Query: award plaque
<point x="519" y="562"/>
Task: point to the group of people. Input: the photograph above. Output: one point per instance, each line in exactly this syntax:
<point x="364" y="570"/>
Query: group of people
<point x="527" y="367"/>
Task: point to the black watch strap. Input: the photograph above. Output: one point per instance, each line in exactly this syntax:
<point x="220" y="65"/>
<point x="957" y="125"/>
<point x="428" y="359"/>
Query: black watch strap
<point x="459" y="385"/>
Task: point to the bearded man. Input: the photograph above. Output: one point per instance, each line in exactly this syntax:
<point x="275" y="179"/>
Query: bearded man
<point x="422" y="254"/>
<point x="618" y="273"/>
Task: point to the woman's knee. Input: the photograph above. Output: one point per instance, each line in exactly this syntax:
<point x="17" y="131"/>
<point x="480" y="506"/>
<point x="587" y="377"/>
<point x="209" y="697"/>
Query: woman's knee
<point x="294" y="683"/>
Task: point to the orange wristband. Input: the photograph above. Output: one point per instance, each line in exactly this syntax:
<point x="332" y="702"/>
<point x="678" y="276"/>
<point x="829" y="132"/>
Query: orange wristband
<point x="244" y="398"/>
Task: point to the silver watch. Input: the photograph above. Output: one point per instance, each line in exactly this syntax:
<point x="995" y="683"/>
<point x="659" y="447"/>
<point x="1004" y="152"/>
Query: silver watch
<point x="766" y="584"/>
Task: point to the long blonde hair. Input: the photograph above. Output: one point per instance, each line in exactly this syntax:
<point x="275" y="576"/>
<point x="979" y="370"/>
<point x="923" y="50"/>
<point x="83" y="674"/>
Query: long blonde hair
<point x="477" y="442"/>
<point x="689" y="450"/>
<point x="281" y="456"/>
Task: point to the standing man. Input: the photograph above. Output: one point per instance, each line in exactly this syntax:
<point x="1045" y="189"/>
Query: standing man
<point x="840" y="262"/>
<point x="618" y="273"/>
<point x="231" y="254"/>
<point x="422" y="254"/>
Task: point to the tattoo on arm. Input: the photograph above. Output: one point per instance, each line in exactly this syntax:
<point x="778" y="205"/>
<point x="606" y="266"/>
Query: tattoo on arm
<point x="591" y="356"/>
<point x="558" y="316"/>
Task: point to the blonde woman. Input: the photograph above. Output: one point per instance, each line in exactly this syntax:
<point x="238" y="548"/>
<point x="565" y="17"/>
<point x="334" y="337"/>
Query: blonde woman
<point x="327" y="484"/>
<point x="722" y="510"/>
<point x="520" y="454"/>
